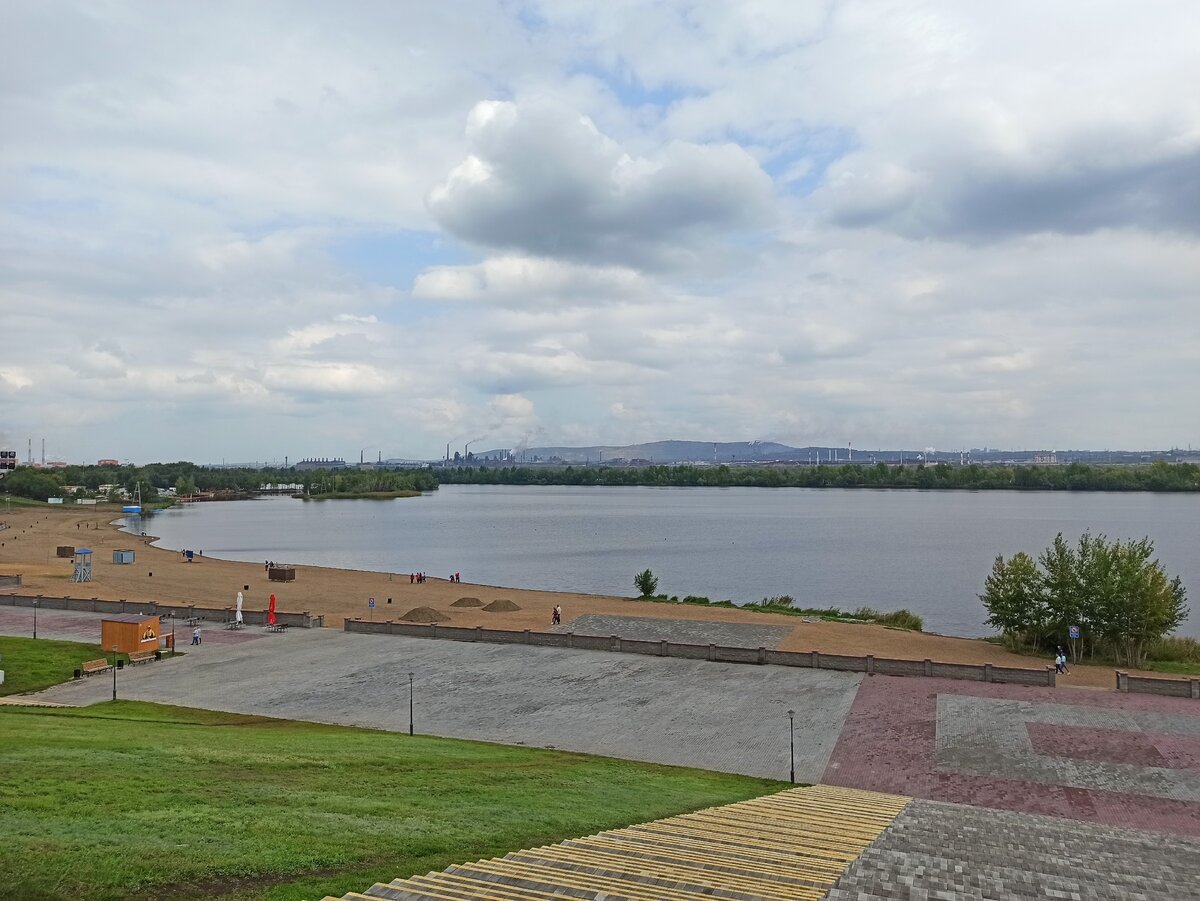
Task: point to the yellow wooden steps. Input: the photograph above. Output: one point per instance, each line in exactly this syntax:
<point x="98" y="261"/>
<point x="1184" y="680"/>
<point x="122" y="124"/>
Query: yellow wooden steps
<point x="791" y="846"/>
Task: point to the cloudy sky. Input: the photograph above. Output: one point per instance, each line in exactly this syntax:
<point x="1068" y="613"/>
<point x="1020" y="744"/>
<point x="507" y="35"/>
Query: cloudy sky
<point x="244" y="231"/>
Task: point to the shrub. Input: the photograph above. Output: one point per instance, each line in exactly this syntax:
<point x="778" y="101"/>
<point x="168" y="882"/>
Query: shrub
<point x="779" y="600"/>
<point x="646" y="583"/>
<point x="900" y="619"/>
<point x="1175" y="650"/>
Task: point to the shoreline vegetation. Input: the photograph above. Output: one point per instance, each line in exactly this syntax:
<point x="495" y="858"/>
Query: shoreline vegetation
<point x="785" y="605"/>
<point x="154" y="482"/>
<point x="360" y="495"/>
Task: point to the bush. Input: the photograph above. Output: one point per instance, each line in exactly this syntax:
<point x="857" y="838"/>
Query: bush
<point x="1175" y="650"/>
<point x="779" y="600"/>
<point x="899" y="619"/>
<point x="645" y="583"/>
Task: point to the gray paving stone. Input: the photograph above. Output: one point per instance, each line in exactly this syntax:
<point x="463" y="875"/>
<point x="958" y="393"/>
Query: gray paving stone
<point x="683" y="631"/>
<point x="717" y="716"/>
<point x="937" y="850"/>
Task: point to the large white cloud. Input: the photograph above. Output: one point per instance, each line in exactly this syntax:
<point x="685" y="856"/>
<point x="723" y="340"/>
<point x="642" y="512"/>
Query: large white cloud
<point x="907" y="223"/>
<point x="544" y="180"/>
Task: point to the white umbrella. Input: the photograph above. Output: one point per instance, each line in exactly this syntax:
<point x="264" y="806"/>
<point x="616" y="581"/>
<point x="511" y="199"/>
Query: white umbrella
<point x="238" y="615"/>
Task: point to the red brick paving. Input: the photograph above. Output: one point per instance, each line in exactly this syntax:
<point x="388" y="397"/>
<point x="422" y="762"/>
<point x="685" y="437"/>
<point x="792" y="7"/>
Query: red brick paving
<point x="1115" y="746"/>
<point x="888" y="744"/>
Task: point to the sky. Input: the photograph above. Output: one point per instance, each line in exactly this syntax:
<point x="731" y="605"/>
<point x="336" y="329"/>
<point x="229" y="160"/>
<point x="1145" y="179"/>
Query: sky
<point x="243" y="232"/>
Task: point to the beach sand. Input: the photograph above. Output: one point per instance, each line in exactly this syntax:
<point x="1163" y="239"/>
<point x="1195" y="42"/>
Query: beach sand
<point x="28" y="547"/>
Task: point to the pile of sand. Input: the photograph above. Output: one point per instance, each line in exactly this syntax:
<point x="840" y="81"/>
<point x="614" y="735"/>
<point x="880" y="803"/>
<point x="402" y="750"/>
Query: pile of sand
<point x="467" y="602"/>
<point x="424" y="615"/>
<point x="501" y="605"/>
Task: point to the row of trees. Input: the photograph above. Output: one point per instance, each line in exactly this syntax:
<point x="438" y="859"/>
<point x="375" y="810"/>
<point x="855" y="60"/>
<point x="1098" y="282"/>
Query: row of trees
<point x="189" y="478"/>
<point x="1157" y="476"/>
<point x="1116" y="592"/>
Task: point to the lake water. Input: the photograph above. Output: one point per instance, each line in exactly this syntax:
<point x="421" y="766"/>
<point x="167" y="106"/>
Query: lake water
<point x="928" y="551"/>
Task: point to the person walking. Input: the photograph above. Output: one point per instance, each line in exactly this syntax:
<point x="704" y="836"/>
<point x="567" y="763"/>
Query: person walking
<point x="196" y="635"/>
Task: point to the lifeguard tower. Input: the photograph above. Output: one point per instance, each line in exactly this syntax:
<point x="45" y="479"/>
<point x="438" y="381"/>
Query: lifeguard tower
<point x="83" y="565"/>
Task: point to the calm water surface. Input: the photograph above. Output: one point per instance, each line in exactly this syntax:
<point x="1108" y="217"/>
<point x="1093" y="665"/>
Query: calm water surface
<point x="926" y="550"/>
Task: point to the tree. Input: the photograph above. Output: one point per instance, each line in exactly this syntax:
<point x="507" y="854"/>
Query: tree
<point x="1013" y="597"/>
<point x="646" y="583"/>
<point x="1116" y="592"/>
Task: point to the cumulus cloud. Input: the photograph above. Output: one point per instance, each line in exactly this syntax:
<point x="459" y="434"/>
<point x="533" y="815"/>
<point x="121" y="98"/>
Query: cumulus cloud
<point x="906" y="223"/>
<point x="545" y="181"/>
<point x="530" y="282"/>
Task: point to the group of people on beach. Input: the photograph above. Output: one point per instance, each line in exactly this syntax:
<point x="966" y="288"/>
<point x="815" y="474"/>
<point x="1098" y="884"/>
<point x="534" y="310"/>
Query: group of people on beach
<point x="419" y="578"/>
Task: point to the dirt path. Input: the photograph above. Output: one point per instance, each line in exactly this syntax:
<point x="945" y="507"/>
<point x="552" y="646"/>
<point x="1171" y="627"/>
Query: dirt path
<point x="28" y="547"/>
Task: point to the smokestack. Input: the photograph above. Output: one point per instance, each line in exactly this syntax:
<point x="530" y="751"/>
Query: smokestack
<point x="43" y="451"/>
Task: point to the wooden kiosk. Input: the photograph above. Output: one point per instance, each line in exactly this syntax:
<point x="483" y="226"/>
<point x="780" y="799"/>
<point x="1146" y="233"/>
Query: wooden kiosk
<point x="130" y="633"/>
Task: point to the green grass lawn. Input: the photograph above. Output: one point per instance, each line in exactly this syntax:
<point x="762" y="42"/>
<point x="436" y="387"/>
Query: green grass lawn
<point x="32" y="665"/>
<point x="127" y="799"/>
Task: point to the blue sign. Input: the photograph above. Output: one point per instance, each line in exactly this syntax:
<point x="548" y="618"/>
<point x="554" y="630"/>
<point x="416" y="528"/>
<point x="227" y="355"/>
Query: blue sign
<point x="1073" y="631"/>
<point x="371" y="603"/>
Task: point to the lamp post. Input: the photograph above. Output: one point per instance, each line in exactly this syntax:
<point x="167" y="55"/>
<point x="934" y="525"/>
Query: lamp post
<point x="35" y="619"/>
<point x="792" y="735"/>
<point x="114" y="672"/>
<point x="172" y="633"/>
<point x="410" y="703"/>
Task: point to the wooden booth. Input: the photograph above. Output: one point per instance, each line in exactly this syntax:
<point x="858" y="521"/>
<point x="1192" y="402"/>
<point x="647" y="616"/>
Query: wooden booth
<point x="281" y="573"/>
<point x="130" y="632"/>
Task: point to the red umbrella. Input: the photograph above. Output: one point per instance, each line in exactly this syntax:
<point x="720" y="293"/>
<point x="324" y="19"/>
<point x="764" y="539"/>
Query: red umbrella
<point x="271" y="612"/>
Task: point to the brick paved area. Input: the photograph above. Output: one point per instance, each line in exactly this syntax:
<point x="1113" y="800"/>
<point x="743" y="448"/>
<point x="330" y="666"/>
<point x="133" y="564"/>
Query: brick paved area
<point x="979" y="750"/>
<point x="1114" y="746"/>
<point x="683" y="631"/>
<point x="952" y="851"/>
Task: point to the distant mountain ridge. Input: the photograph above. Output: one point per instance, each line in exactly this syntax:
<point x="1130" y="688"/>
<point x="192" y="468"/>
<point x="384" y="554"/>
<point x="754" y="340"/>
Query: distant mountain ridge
<point x="734" y="452"/>
<point x="656" y="452"/>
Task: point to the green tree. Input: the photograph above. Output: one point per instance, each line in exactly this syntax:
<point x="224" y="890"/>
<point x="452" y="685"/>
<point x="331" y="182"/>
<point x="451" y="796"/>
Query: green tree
<point x="1120" y="596"/>
<point x="1013" y="597"/>
<point x="646" y="583"/>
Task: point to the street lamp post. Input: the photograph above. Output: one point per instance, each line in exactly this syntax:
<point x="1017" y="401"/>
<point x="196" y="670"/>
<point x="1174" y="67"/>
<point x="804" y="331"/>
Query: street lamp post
<point x="792" y="734"/>
<point x="410" y="703"/>
<point x="35" y="618"/>
<point x="172" y="633"/>
<point x="114" y="672"/>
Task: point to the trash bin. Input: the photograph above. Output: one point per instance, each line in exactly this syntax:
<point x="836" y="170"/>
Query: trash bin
<point x="78" y="674"/>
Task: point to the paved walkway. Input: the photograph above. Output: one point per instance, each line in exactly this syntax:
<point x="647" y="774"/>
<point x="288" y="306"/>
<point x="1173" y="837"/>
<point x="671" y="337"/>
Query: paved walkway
<point x="936" y="850"/>
<point x="680" y="631"/>
<point x="1119" y="759"/>
<point x="715" y="716"/>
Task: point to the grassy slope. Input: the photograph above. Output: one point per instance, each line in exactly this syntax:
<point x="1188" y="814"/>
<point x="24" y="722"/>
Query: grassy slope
<point x="32" y="665"/>
<point x="128" y="799"/>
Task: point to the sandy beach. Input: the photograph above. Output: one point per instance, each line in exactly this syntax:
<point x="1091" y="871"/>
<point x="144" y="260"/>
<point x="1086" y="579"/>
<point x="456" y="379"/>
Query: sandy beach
<point x="29" y="544"/>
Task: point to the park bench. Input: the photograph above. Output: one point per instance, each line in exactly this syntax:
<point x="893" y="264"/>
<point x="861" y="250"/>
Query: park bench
<point x="141" y="656"/>
<point x="233" y="624"/>
<point x="91" y="667"/>
<point x="277" y="627"/>
<point x="192" y="621"/>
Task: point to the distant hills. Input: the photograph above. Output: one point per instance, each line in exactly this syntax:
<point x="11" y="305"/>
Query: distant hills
<point x="741" y="452"/>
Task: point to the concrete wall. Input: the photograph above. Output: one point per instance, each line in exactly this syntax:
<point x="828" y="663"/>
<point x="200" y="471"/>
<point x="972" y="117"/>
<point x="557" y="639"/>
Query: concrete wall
<point x="153" y="608"/>
<point x="1172" y="688"/>
<point x="721" y="653"/>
